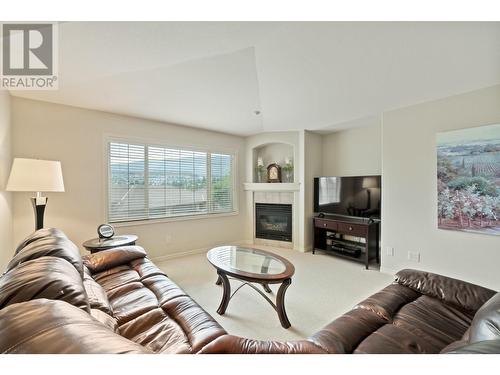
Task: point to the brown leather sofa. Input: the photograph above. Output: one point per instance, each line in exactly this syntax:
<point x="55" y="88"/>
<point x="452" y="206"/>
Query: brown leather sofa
<point x="118" y="301"/>
<point x="420" y="312"/>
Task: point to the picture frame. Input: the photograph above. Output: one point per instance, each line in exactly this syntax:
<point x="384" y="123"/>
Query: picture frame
<point x="468" y="180"/>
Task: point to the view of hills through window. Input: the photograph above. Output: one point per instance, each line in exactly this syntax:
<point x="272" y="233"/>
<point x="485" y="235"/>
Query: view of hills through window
<point x="148" y="182"/>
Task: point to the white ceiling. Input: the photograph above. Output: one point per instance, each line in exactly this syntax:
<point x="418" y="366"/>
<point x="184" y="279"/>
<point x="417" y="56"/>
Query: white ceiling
<point x="300" y="75"/>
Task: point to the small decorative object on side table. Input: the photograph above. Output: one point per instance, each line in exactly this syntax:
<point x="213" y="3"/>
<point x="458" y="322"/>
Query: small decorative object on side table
<point x="105" y="231"/>
<point x="107" y="240"/>
<point x="273" y="173"/>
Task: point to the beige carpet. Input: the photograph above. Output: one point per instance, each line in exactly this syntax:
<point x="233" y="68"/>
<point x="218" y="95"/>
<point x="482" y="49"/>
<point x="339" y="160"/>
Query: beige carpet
<point x="323" y="288"/>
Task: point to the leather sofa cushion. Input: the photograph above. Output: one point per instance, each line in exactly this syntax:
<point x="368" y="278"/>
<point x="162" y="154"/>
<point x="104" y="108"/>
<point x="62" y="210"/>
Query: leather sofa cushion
<point x="229" y="344"/>
<point x="198" y="326"/>
<point x="59" y="247"/>
<point x="486" y="323"/>
<point x="55" y="327"/>
<point x="105" y="319"/>
<point x="46" y="277"/>
<point x="151" y="310"/>
<point x="110" y="258"/>
<point x="96" y="295"/>
<point x="397" y="319"/>
<point x="456" y="292"/>
<point x="426" y="325"/>
<point x="40" y="233"/>
<point x="437" y="322"/>
<point x="389" y="300"/>
<point x="391" y="339"/>
<point x="345" y="333"/>
<point x="480" y="347"/>
<point x="158" y="332"/>
<point x="457" y="344"/>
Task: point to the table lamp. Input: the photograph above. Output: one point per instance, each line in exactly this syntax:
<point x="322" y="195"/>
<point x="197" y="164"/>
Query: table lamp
<point x="36" y="176"/>
<point x="369" y="183"/>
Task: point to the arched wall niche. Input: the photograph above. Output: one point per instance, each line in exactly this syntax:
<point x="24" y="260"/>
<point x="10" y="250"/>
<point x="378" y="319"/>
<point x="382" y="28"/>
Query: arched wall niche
<point x="272" y="152"/>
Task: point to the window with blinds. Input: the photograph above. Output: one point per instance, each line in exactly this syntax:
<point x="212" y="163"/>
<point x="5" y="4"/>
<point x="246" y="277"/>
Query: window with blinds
<point x="151" y="182"/>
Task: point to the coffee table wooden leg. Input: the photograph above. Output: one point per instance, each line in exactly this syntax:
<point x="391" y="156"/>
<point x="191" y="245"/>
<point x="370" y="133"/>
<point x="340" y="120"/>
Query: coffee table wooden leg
<point x="266" y="287"/>
<point x="280" y="304"/>
<point x="226" y="293"/>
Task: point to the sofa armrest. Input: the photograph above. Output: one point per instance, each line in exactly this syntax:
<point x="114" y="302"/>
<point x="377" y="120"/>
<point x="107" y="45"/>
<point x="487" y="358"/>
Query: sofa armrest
<point x="453" y="291"/>
<point x="480" y="347"/>
<point x="44" y="326"/>
<point x="229" y="344"/>
<point x="106" y="259"/>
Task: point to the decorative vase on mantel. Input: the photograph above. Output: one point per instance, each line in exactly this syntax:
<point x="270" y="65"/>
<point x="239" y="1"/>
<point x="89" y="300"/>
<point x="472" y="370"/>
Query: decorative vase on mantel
<point x="287" y="171"/>
<point x="260" y="174"/>
<point x="260" y="171"/>
<point x="288" y="176"/>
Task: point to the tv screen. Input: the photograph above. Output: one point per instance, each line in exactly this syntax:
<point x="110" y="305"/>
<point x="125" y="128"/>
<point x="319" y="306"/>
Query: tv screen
<point x="358" y="196"/>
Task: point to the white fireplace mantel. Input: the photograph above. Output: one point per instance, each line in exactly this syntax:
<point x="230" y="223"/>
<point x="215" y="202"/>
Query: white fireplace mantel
<point x="284" y="186"/>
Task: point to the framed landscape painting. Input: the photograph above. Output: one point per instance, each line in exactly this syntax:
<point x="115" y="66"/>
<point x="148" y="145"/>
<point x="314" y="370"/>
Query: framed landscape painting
<point x="468" y="180"/>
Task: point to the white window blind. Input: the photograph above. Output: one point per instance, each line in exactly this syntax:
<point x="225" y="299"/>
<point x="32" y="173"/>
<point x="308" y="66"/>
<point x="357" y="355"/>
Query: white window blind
<point x="150" y="182"/>
<point x="127" y="193"/>
<point x="221" y="180"/>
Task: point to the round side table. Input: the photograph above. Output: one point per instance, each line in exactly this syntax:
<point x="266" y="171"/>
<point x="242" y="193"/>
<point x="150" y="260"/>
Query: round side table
<point x="98" y="244"/>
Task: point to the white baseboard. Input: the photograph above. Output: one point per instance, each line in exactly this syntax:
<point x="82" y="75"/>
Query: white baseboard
<point x="178" y="254"/>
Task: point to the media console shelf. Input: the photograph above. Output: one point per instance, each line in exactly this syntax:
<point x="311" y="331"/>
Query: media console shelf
<point x="333" y="229"/>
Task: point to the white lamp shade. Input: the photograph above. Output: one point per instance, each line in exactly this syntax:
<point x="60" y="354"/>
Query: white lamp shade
<point x="370" y="182"/>
<point x="36" y="176"/>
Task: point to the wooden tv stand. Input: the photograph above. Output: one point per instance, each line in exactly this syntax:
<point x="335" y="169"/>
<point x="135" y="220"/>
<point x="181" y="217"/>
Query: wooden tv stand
<point x="335" y="228"/>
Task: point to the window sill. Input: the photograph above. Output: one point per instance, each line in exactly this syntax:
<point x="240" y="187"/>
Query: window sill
<point x="172" y="219"/>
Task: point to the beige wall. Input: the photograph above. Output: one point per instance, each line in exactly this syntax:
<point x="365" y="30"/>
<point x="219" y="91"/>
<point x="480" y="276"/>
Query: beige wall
<point x="76" y="137"/>
<point x="409" y="190"/>
<point x="6" y="244"/>
<point x="353" y="152"/>
<point x="274" y="153"/>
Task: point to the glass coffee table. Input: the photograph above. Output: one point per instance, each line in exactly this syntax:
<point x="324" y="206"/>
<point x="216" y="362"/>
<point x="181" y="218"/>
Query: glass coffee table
<point x="252" y="266"/>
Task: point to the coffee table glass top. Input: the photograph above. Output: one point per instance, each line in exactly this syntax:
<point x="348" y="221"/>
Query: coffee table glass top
<point x="251" y="261"/>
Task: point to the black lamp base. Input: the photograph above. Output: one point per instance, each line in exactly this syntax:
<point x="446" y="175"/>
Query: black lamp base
<point x="39" y="204"/>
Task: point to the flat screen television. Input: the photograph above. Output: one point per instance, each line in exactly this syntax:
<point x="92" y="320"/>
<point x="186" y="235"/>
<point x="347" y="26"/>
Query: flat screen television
<point x="358" y="196"/>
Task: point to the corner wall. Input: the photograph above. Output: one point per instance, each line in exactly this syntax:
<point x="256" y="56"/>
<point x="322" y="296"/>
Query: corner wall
<point x="354" y="152"/>
<point x="6" y="243"/>
<point x="77" y="137"/>
<point x="409" y="213"/>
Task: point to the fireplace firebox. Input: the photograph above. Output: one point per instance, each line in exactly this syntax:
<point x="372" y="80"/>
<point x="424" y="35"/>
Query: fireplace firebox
<point x="273" y="221"/>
